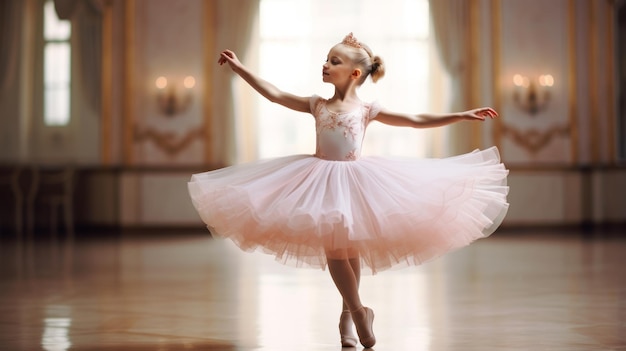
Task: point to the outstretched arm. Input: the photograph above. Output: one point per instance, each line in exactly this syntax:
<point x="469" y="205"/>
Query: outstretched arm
<point x="264" y="87"/>
<point x="428" y="120"/>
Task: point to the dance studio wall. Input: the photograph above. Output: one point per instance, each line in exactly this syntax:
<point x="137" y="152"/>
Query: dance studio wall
<point x="137" y="159"/>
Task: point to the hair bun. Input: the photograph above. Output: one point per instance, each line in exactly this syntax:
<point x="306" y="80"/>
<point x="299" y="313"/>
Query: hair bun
<point x="378" y="68"/>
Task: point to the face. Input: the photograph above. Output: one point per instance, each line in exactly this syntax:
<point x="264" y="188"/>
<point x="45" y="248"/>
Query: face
<point x="338" y="67"/>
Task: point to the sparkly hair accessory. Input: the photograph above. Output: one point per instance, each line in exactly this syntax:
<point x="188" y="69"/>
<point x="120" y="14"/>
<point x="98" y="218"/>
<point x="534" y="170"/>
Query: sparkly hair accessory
<point x="350" y="40"/>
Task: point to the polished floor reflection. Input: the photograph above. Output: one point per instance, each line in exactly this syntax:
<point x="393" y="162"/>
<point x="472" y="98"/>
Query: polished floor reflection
<point x="175" y="291"/>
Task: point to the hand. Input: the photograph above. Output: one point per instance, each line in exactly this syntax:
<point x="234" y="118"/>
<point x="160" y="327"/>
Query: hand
<point x="480" y="113"/>
<point x="227" y="56"/>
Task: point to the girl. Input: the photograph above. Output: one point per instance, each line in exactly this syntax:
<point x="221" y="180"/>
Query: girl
<point x="339" y="210"/>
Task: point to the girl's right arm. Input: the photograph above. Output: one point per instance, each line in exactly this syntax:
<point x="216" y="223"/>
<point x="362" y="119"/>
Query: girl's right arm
<point x="264" y="87"/>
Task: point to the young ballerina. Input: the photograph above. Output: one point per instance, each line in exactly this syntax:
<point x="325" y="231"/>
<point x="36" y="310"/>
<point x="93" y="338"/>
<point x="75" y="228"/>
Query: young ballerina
<point x="338" y="210"/>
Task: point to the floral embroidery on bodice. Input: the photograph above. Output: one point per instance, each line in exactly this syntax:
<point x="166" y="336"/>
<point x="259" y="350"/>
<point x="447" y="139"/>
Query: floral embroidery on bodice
<point x="340" y="134"/>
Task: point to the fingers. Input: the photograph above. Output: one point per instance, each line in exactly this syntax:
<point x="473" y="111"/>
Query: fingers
<point x="226" y="56"/>
<point x="487" y="112"/>
<point x="492" y="113"/>
<point x="223" y="58"/>
<point x="483" y="113"/>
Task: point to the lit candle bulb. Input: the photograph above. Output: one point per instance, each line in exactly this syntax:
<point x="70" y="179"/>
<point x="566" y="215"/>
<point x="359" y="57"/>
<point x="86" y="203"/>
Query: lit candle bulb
<point x="161" y="83"/>
<point x="189" y="82"/>
<point x="546" y="80"/>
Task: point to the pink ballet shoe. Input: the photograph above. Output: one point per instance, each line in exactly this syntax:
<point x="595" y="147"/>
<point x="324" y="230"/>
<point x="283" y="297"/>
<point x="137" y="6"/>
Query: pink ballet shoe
<point x="364" y="327"/>
<point x="345" y="330"/>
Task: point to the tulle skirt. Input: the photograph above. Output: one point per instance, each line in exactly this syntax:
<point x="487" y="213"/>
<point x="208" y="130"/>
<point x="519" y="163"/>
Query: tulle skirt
<point x="392" y="211"/>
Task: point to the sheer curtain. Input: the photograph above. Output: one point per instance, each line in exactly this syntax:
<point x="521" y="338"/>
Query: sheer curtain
<point x="10" y="21"/>
<point x="451" y="21"/>
<point x="292" y="50"/>
<point x="86" y="17"/>
<point x="236" y="20"/>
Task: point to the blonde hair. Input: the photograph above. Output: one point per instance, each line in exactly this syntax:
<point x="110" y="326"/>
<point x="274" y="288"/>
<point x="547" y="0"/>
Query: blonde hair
<point x="370" y="64"/>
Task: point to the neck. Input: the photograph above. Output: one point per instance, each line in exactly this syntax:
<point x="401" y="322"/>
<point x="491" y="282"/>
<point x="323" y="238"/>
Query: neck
<point x="345" y="93"/>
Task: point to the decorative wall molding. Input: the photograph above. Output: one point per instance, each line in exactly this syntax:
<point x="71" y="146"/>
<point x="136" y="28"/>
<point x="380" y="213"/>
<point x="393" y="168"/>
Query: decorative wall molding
<point x="209" y="31"/>
<point x="611" y="74"/>
<point x="593" y="69"/>
<point x="573" y="81"/>
<point x="128" y="97"/>
<point x="534" y="140"/>
<point x="473" y="93"/>
<point x="168" y="142"/>
<point x="106" y="109"/>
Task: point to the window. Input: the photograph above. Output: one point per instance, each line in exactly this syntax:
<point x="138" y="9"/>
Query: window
<point x="56" y="80"/>
<point x="293" y="48"/>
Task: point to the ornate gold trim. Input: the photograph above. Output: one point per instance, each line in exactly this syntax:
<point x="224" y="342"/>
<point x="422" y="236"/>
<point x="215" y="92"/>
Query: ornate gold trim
<point x="167" y="141"/>
<point x="496" y="19"/>
<point x="534" y="140"/>
<point x="474" y="74"/>
<point x="537" y="140"/>
<point x="128" y="96"/>
<point x="593" y="83"/>
<point x="209" y="62"/>
<point x="610" y="64"/>
<point x="106" y="117"/>
<point x="573" y="107"/>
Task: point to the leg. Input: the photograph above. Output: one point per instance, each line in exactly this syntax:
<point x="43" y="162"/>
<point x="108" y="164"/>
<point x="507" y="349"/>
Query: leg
<point x="342" y="271"/>
<point x="348" y="286"/>
<point x="348" y="339"/>
<point x="355" y="265"/>
<point x="346" y="274"/>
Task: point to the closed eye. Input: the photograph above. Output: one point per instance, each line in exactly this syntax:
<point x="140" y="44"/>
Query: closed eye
<point x="333" y="61"/>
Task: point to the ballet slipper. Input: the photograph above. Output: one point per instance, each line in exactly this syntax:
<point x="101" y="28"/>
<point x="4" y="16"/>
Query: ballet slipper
<point x="345" y="330"/>
<point x="364" y="326"/>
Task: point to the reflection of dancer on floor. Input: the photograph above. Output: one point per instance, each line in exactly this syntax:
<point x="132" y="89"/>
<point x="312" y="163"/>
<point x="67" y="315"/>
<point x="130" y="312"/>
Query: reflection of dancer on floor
<point x="344" y="210"/>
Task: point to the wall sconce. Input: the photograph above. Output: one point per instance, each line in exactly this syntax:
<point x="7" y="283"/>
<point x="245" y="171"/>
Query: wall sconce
<point x="169" y="100"/>
<point x="528" y="97"/>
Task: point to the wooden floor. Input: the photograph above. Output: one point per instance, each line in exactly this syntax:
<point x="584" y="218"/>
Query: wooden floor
<point x="512" y="291"/>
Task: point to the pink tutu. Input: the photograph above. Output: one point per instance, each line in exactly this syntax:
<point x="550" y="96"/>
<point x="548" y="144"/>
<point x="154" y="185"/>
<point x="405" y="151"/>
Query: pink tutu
<point x="394" y="211"/>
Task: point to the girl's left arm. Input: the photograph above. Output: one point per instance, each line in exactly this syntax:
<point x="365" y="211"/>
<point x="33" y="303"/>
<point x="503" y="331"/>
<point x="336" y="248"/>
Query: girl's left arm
<point x="429" y="120"/>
